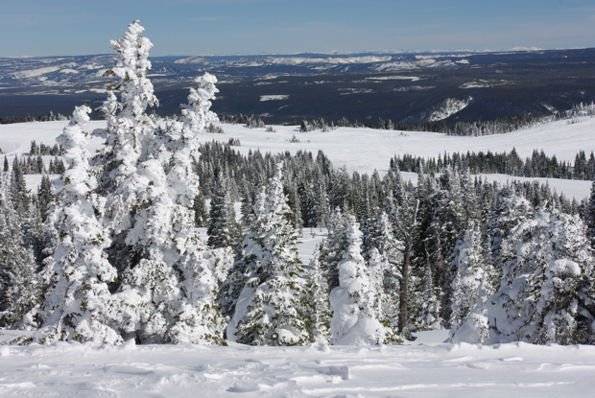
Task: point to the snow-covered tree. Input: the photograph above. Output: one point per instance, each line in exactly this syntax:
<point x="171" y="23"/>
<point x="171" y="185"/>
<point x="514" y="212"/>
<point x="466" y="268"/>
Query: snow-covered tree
<point x="270" y="309"/>
<point x="129" y="128"/>
<point x="317" y="299"/>
<point x="18" y="283"/>
<point x="77" y="303"/>
<point x="429" y="316"/>
<point x="167" y="280"/>
<point x="197" y="114"/>
<point x="507" y="212"/>
<point x="590" y="216"/>
<point x="222" y="225"/>
<point x="471" y="285"/>
<point x="385" y="263"/>
<point x="352" y="301"/>
<point x="545" y="289"/>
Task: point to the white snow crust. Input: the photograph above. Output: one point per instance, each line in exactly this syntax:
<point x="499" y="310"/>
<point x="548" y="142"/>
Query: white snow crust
<point x="425" y="369"/>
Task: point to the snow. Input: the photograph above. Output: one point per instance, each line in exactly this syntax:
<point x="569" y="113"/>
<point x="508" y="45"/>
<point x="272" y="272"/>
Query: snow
<point x="371" y="59"/>
<point x="481" y="83"/>
<point x="385" y="78"/>
<point x="310" y="239"/>
<point x="576" y="189"/>
<point x="366" y="150"/>
<point x="28" y="74"/>
<point x="275" y="97"/>
<point x="417" y="370"/>
<point x="449" y="107"/>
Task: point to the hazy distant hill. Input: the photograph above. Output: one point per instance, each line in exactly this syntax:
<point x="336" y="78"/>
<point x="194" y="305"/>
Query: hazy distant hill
<point x="286" y="88"/>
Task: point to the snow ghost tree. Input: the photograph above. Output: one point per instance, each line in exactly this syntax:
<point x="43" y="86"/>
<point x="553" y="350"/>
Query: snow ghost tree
<point x="197" y="114"/>
<point x="352" y="301"/>
<point x="77" y="303"/>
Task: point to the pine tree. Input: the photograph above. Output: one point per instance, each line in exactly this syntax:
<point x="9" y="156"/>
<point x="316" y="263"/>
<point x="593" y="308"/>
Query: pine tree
<point x="590" y="216"/>
<point x="270" y="310"/>
<point x="167" y="280"/>
<point x="317" y="301"/>
<point x="387" y="255"/>
<point x="220" y="225"/>
<point x="19" y="193"/>
<point x="333" y="247"/>
<point x="543" y="295"/>
<point x="197" y="114"/>
<point x="18" y="282"/>
<point x="78" y="301"/>
<point x="430" y="303"/>
<point x="405" y="223"/>
<point x="352" y="301"/>
<point x="45" y="197"/>
<point x="200" y="211"/>
<point x="471" y="285"/>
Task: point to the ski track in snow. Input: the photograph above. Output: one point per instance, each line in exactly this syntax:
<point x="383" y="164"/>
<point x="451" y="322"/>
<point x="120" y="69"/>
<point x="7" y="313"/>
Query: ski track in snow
<point x="413" y="370"/>
<point x="366" y="150"/>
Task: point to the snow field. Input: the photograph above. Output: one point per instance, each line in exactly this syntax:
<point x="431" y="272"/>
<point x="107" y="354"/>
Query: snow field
<point x="415" y="370"/>
<point x="366" y="150"/>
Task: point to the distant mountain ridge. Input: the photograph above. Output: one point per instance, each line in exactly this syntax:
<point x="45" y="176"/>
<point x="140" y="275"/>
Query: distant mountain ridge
<point x="404" y="87"/>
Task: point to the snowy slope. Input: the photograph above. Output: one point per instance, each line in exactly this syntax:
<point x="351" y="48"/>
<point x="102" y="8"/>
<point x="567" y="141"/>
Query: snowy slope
<point x="366" y="150"/>
<point x="449" y="107"/>
<point x="398" y="371"/>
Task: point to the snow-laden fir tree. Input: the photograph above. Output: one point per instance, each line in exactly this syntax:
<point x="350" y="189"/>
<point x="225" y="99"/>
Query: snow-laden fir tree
<point x="197" y="114"/>
<point x="77" y="303"/>
<point x="18" y="282"/>
<point x="352" y="301"/>
<point x="545" y="295"/>
<point x="169" y="295"/>
<point x="167" y="280"/>
<point x="270" y="309"/>
<point x="429" y="315"/>
<point x="317" y="301"/>
<point x="333" y="247"/>
<point x="448" y="220"/>
<point x="221" y="225"/>
<point x="45" y="197"/>
<point x="590" y="216"/>
<point x="508" y="211"/>
<point x="129" y="128"/>
<point x="472" y="283"/>
<point x="385" y="263"/>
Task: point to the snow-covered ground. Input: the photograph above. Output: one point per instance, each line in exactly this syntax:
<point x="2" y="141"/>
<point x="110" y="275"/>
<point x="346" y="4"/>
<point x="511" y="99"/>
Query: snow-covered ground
<point x="415" y="370"/>
<point x="366" y="150"/>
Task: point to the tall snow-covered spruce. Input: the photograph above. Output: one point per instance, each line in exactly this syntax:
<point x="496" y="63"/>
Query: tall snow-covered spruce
<point x="352" y="301"/>
<point x="77" y="303"/>
<point x="270" y="308"/>
<point x="168" y="280"/>
<point x="129" y="261"/>
<point x="546" y="292"/>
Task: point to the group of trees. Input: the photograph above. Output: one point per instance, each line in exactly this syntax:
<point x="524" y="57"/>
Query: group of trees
<point x="35" y="165"/>
<point x="538" y="165"/>
<point x="116" y="253"/>
<point x="48" y="117"/>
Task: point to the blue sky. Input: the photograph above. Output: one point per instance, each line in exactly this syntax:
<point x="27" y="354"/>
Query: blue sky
<point x="63" y="27"/>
